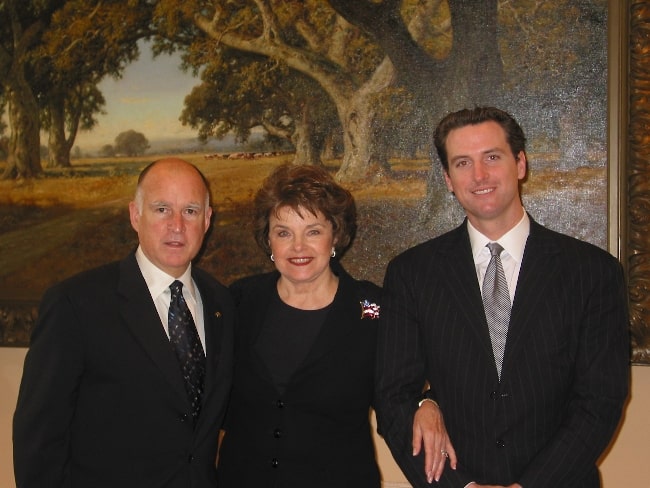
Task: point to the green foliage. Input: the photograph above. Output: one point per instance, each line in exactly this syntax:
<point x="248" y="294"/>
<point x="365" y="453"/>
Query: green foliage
<point x="554" y="39"/>
<point x="245" y="63"/>
<point x="241" y="91"/>
<point x="430" y="28"/>
<point x="60" y="51"/>
<point x="131" y="143"/>
<point x="107" y="151"/>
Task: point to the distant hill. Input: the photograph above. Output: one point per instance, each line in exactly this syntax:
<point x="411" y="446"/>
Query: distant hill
<point x="192" y="144"/>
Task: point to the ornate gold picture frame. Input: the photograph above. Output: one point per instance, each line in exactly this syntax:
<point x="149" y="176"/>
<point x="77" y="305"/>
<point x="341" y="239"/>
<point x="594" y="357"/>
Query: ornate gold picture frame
<point x="630" y="160"/>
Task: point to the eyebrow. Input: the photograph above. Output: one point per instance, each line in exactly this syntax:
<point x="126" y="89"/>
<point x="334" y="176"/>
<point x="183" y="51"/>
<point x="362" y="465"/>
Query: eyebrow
<point x="310" y="226"/>
<point x="486" y="151"/>
<point x="163" y="203"/>
<point x="494" y="149"/>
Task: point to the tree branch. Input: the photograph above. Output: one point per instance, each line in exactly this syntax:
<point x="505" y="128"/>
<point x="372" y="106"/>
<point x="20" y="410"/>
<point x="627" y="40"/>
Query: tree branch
<point x="271" y="32"/>
<point x="384" y="23"/>
<point x="334" y="80"/>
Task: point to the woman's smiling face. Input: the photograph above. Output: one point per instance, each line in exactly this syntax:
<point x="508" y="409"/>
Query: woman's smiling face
<point x="301" y="243"/>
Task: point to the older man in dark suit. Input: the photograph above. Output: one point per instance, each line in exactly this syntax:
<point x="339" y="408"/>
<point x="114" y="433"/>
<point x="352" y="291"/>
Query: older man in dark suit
<point x="521" y="332"/>
<point x="126" y="380"/>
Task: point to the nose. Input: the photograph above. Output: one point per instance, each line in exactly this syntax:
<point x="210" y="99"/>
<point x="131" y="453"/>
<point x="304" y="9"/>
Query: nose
<point x="176" y="222"/>
<point x="480" y="171"/>
<point x="297" y="243"/>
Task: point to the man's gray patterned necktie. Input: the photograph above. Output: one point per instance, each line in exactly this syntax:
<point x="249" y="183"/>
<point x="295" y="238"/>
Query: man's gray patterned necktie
<point x="496" y="302"/>
<point x="187" y="345"/>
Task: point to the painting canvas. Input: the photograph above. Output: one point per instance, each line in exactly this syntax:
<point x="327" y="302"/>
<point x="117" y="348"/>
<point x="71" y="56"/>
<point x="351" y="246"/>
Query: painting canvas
<point x="547" y="64"/>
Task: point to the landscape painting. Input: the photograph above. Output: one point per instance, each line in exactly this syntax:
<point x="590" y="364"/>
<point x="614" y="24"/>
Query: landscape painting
<point x="239" y="87"/>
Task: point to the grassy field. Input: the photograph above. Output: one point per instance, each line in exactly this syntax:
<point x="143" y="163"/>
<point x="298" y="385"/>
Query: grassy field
<point x="68" y="221"/>
<point x="72" y="220"/>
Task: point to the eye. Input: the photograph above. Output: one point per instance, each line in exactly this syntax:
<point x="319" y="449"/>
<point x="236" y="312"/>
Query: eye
<point x="314" y="232"/>
<point x="160" y="210"/>
<point x="282" y="233"/>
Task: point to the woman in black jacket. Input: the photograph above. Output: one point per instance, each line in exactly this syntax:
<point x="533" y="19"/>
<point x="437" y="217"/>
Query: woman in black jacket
<point x="305" y="346"/>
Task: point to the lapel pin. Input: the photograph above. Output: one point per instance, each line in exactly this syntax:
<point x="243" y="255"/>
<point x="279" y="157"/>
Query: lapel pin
<point x="217" y="314"/>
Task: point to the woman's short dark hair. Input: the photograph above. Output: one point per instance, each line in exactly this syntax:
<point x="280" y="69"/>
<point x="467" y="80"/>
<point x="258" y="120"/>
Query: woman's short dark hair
<point x="477" y="115"/>
<point x="310" y="188"/>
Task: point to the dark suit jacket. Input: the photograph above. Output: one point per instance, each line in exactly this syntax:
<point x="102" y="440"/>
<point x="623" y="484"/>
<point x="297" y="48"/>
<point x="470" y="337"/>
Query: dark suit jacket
<point x="317" y="433"/>
<point x="565" y="372"/>
<point x="102" y="402"/>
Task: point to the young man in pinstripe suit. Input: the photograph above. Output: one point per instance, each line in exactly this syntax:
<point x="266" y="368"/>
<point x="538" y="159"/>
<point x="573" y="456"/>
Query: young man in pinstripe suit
<point x="541" y="408"/>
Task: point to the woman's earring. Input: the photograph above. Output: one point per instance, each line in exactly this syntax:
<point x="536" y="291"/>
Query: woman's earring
<point x="272" y="258"/>
<point x="333" y="253"/>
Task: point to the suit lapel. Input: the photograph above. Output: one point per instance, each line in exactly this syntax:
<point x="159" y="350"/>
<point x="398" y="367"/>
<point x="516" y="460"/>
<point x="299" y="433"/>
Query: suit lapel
<point x="253" y="311"/>
<point x="459" y="276"/>
<point x="213" y="322"/>
<point x="141" y="317"/>
<point x="539" y="271"/>
<point x="213" y="325"/>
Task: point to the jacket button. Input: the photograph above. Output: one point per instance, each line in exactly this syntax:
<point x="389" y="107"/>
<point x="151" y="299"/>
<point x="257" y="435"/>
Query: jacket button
<point x="190" y="458"/>
<point x="277" y="433"/>
<point x="493" y="395"/>
<point x="275" y="463"/>
<point x="500" y="443"/>
<point x="279" y="404"/>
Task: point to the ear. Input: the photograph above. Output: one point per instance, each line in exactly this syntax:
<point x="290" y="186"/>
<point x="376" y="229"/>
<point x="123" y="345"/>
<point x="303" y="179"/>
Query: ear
<point x="522" y="165"/>
<point x="450" y="186"/>
<point x="208" y="216"/>
<point x="134" y="215"/>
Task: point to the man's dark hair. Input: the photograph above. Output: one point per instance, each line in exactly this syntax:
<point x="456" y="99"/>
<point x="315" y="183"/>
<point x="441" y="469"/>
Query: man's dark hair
<point x="477" y="115"/>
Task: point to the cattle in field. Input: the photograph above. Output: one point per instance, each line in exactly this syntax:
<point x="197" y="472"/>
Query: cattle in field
<point x="243" y="155"/>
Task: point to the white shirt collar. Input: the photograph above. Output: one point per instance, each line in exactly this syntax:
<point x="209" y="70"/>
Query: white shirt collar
<point x="513" y="241"/>
<point x="158" y="281"/>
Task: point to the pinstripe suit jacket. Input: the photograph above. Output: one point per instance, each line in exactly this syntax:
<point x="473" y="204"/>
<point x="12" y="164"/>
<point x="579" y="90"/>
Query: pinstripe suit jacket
<point x="565" y="372"/>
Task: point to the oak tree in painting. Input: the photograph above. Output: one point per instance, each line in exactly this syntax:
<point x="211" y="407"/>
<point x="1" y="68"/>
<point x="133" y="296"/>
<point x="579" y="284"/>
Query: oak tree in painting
<point x="374" y="74"/>
<point x="53" y="53"/>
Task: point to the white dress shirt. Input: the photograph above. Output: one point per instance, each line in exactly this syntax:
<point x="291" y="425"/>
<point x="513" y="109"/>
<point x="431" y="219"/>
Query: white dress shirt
<point x="513" y="243"/>
<point x="158" y="283"/>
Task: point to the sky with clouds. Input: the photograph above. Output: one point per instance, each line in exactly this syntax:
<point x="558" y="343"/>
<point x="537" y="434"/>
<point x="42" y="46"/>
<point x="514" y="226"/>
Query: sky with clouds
<point x="148" y="99"/>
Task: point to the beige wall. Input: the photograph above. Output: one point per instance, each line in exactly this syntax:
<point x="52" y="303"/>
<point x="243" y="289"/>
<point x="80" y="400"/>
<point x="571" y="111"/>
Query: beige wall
<point x="627" y="463"/>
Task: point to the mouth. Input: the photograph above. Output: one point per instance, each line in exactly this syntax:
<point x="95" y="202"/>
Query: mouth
<point x="483" y="191"/>
<point x="175" y="244"/>
<point x="300" y="261"/>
